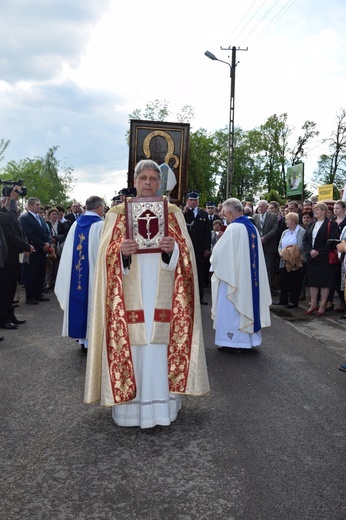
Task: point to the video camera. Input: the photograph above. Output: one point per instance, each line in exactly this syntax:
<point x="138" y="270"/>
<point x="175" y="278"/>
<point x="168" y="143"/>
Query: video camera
<point x="128" y="192"/>
<point x="9" y="185"/>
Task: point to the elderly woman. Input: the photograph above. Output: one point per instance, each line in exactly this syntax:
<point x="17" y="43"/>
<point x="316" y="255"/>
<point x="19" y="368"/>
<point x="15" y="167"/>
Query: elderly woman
<point x="291" y="262"/>
<point x="320" y="274"/>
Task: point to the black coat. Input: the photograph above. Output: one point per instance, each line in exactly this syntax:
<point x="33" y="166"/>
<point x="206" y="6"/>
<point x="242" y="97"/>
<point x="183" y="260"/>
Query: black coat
<point x="70" y="219"/>
<point x="269" y="232"/>
<point x="3" y="245"/>
<point x="37" y="233"/>
<point x="62" y="231"/>
<point x="319" y="272"/>
<point x="14" y="237"/>
<point x="211" y="220"/>
<point x="199" y="230"/>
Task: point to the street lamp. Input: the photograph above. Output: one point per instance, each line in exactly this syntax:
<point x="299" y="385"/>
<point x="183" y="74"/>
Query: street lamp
<point x="230" y="161"/>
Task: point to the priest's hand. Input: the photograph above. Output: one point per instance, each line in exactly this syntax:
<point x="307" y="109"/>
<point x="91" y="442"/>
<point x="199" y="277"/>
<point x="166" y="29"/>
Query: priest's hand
<point x="167" y="245"/>
<point x="128" y="247"/>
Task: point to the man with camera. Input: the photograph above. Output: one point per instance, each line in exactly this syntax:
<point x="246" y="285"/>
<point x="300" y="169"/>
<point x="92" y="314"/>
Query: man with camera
<point x="9" y="270"/>
<point x="38" y="236"/>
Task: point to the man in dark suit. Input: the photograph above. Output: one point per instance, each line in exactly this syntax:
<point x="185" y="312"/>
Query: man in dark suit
<point x="37" y="233"/>
<point x="200" y="233"/>
<point x="210" y="208"/>
<point x="267" y="225"/>
<point x="9" y="271"/>
<point x="76" y="210"/>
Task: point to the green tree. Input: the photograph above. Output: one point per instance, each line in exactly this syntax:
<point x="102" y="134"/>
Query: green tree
<point x="158" y="110"/>
<point x="331" y="167"/>
<point x="3" y="145"/>
<point x="271" y="151"/>
<point x="203" y="165"/>
<point x="298" y="152"/>
<point x="43" y="177"/>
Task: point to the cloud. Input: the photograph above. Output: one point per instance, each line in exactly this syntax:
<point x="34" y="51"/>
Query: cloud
<point x="37" y="37"/>
<point x="86" y="124"/>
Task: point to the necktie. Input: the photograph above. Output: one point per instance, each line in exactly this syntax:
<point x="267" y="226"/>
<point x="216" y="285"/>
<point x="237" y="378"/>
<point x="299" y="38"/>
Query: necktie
<point x="261" y="222"/>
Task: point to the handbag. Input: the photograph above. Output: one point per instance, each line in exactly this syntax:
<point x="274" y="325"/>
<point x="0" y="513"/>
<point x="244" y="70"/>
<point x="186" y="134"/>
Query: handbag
<point x="58" y="249"/>
<point x="333" y="258"/>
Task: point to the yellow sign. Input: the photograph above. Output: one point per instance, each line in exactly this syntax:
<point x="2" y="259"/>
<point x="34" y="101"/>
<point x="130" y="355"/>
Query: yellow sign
<point x="325" y="192"/>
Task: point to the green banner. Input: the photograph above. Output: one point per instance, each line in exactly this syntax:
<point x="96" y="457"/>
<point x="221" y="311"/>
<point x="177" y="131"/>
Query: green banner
<point x="295" y="180"/>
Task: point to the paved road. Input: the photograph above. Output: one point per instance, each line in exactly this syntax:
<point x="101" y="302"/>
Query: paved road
<point x="267" y="443"/>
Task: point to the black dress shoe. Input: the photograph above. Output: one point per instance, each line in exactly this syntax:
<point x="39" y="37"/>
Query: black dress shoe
<point x="15" y="301"/>
<point x="31" y="301"/>
<point x="278" y="303"/>
<point x="203" y="302"/>
<point x="2" y="338"/>
<point x="17" y="322"/>
<point x="42" y="299"/>
<point x="8" y="326"/>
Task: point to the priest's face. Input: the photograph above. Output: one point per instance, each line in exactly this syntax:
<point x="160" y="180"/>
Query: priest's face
<point x="147" y="183"/>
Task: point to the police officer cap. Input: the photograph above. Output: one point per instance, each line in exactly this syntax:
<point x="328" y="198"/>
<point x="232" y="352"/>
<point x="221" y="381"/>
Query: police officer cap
<point x="210" y="204"/>
<point x="193" y="195"/>
<point x="116" y="199"/>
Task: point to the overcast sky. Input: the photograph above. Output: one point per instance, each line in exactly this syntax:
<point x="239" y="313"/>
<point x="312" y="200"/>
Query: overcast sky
<point x="71" y="72"/>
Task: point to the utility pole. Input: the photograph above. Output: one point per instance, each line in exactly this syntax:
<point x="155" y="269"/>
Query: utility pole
<point x="230" y="173"/>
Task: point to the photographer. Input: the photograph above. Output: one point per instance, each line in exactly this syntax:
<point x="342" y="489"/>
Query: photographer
<point x="9" y="272"/>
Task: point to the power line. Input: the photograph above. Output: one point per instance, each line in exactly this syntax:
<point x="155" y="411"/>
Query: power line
<point x="261" y="14"/>
<point x="236" y="27"/>
<point x="261" y="19"/>
<point x="276" y="19"/>
<point x="252" y="17"/>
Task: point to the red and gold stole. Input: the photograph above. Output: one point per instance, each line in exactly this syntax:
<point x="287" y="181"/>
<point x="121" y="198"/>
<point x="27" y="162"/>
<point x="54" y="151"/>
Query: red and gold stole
<point x="173" y="315"/>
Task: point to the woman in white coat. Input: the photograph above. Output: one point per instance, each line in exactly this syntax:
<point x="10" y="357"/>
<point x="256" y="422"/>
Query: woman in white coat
<point x="291" y="262"/>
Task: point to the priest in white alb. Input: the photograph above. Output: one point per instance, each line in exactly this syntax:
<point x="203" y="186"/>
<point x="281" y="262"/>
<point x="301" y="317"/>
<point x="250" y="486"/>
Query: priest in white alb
<point x="240" y="289"/>
<point x="75" y="277"/>
<point x="146" y="342"/>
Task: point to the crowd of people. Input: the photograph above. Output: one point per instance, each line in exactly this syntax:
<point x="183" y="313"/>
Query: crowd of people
<point x="138" y="315"/>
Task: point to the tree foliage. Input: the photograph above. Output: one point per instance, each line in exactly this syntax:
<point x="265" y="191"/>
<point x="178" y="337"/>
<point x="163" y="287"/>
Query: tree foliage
<point x="298" y="152"/>
<point x="159" y="110"/>
<point x="260" y="155"/>
<point x="43" y="177"/>
<point x="3" y="145"/>
<point x="331" y="167"/>
<point x="202" y="165"/>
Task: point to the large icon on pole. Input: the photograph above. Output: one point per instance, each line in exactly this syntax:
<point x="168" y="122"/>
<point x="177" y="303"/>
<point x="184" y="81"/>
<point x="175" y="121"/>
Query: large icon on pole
<point x="295" y="180"/>
<point x="167" y="144"/>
